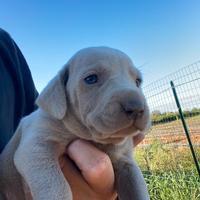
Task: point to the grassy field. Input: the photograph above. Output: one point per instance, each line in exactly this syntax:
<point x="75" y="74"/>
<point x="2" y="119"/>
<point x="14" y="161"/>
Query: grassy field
<point x="170" y="173"/>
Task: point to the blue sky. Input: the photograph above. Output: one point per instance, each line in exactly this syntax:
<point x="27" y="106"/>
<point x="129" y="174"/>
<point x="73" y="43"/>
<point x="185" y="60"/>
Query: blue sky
<point x="159" y="35"/>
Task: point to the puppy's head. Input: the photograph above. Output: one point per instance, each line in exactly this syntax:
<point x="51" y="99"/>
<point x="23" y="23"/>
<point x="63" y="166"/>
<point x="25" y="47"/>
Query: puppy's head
<point x="98" y="90"/>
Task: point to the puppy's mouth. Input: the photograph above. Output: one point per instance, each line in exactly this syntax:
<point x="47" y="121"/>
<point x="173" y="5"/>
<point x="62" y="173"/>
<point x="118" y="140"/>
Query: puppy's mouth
<point x="117" y="136"/>
<point x="104" y="130"/>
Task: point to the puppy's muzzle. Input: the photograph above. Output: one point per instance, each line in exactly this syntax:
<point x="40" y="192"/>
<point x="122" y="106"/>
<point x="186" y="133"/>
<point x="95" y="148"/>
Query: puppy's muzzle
<point x="132" y="105"/>
<point x="133" y="108"/>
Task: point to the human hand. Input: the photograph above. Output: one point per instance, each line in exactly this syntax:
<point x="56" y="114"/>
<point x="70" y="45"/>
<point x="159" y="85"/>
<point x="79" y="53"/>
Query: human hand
<point x="89" y="171"/>
<point x="138" y="138"/>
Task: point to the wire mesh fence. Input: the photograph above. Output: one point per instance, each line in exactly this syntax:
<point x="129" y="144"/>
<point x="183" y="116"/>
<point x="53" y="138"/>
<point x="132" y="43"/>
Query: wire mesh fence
<point x="166" y="123"/>
<point x="168" y="164"/>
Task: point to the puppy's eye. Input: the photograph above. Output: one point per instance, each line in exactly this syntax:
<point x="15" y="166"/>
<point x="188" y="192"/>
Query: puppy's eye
<point x="138" y="82"/>
<point x="91" y="79"/>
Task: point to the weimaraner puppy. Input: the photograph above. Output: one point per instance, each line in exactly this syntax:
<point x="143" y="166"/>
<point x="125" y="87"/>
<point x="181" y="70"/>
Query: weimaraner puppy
<point x="96" y="96"/>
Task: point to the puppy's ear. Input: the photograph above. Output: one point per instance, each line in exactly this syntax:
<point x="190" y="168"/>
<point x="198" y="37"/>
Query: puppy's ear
<point x="53" y="98"/>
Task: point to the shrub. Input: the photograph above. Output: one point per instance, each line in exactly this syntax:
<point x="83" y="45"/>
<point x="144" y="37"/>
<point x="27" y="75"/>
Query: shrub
<point x="157" y="117"/>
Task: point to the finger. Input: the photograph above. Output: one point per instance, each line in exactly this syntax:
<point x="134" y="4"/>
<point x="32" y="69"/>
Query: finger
<point x="138" y="138"/>
<point x="94" y="164"/>
<point x="75" y="179"/>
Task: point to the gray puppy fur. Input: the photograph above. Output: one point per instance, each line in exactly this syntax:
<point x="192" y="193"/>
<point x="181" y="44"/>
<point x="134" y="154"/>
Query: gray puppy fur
<point x="97" y="97"/>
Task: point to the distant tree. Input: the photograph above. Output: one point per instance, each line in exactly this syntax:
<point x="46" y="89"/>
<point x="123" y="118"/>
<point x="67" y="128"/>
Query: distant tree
<point x="195" y="111"/>
<point x="159" y="118"/>
<point x="156" y="112"/>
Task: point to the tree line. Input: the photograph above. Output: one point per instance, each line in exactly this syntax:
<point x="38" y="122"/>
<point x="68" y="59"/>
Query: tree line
<point x="157" y="117"/>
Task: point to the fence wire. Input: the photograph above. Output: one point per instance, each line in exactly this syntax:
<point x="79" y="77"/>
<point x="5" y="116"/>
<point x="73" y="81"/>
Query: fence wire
<point x="166" y="123"/>
<point x="169" y="167"/>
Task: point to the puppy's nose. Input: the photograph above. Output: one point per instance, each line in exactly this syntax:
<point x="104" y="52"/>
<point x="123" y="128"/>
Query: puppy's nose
<point x="133" y="107"/>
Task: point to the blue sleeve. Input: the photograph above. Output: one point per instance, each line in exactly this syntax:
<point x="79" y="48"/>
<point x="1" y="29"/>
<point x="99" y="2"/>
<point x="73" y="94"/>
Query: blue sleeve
<point x="17" y="90"/>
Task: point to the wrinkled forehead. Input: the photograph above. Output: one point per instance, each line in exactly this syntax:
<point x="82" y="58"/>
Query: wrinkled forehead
<point x="104" y="58"/>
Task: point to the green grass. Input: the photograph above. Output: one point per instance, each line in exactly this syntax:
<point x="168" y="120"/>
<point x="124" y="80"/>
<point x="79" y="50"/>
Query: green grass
<point x="170" y="173"/>
<point x="177" y="185"/>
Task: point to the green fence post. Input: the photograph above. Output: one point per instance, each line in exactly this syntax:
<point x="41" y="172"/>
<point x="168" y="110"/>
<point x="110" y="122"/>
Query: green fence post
<point x="185" y="127"/>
